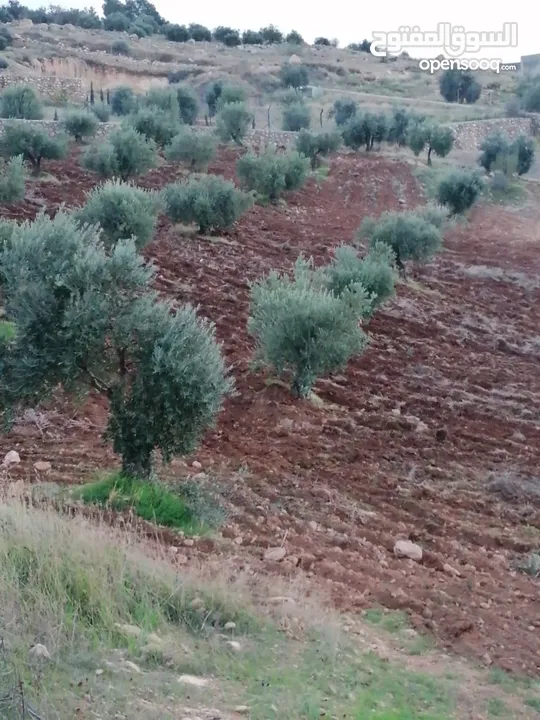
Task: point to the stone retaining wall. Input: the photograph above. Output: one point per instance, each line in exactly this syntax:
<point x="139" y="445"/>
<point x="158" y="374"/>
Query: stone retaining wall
<point x="469" y="135"/>
<point x="56" y="89"/>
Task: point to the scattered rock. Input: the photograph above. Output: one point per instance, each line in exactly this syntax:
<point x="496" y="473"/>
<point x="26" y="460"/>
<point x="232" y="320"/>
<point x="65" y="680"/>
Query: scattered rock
<point x="402" y="201"/>
<point x="238" y="540"/>
<point x="295" y="60"/>
<point x="234" y="645"/>
<point x="451" y="570"/>
<point x="129" y="630"/>
<point x="189" y="542"/>
<point x="99" y="671"/>
<point x="181" y="559"/>
<point x="242" y="709"/>
<point x="193" y="680"/>
<point x="132" y="666"/>
<point x="275" y="554"/>
<point x="197" y="603"/>
<point x="408" y="549"/>
<point x="312" y="525"/>
<point x="421" y="427"/>
<point x="11" y="458"/>
<point x="230" y="626"/>
<point x="39" y="652"/>
<point x="196" y="465"/>
<point x="42" y="466"/>
<point x="281" y="600"/>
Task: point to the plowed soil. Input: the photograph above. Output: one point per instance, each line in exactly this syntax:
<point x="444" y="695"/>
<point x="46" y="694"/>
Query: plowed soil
<point x="432" y="435"/>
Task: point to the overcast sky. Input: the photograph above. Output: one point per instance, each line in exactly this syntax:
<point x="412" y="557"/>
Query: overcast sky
<point x="351" y="22"/>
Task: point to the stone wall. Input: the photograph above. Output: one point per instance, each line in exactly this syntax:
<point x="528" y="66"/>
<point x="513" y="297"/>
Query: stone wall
<point x="56" y="89"/>
<point x="469" y="135"/>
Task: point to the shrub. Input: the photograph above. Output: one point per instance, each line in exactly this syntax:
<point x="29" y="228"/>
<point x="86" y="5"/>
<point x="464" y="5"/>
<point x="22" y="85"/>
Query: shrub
<point x="524" y="148"/>
<point x="120" y="47"/>
<point x="123" y="100"/>
<point x="117" y="21"/>
<point x="155" y="124"/>
<point x="322" y="41"/>
<point x="211" y="202"/>
<point x="294" y="38"/>
<point x="459" y="86"/>
<point x="188" y="104"/>
<point x="3" y="63"/>
<point x="251" y="37"/>
<point x="317" y="145"/>
<point x="375" y="274"/>
<point x="300" y="326"/>
<point x="84" y="317"/>
<point x="459" y="190"/>
<point x="164" y="99"/>
<point x="230" y="94"/>
<point x="531" y="99"/>
<point x="493" y="146"/>
<point x="270" y="174"/>
<point x="343" y="111"/>
<point x="80" y="124"/>
<point x="365" y="129"/>
<point x="21" y="103"/>
<point x="177" y="33"/>
<point x="199" y="33"/>
<point x="409" y="235"/>
<point x="436" y="138"/>
<point x="271" y="35"/>
<point x="294" y="76"/>
<point x="227" y="36"/>
<point x="6" y="38"/>
<point x="102" y="112"/>
<point x="126" y="153"/>
<point x="193" y="148"/>
<point x="232" y="122"/>
<point x="122" y="211"/>
<point x="212" y="97"/>
<point x="398" y="126"/>
<point x="12" y="180"/>
<point x="296" y="117"/>
<point x="512" y="108"/>
<point x="33" y="143"/>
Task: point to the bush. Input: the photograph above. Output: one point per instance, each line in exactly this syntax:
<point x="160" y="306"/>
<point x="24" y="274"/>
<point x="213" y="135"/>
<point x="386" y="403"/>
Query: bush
<point x="21" y="103"/>
<point x="102" y="112"/>
<point x="459" y="86"/>
<point x="84" y="317"/>
<point x="211" y="202"/>
<point x="122" y="211"/>
<point x="33" y="143"/>
<point x="294" y="76"/>
<point x="317" y="145"/>
<point x="164" y="99"/>
<point x="251" y="37"/>
<point x="365" y="129"/>
<point x="80" y="124"/>
<point x="512" y="109"/>
<point x="524" y="148"/>
<point x="300" y="326"/>
<point x="6" y="38"/>
<point x="436" y="138"/>
<point x="322" y="41"/>
<point x="12" y="180"/>
<point x="459" y="190"/>
<point x="212" y="97"/>
<point x="123" y="101"/>
<point x="126" y="153"/>
<point x="155" y="124"/>
<point x="531" y="99"/>
<point x="120" y="47"/>
<point x="199" y="33"/>
<point x="3" y="63"/>
<point x="177" y="33"/>
<point x="232" y="122"/>
<point x="343" y="111"/>
<point x="227" y="36"/>
<point x="375" y="274"/>
<point x="493" y="146"/>
<point x="398" y="126"/>
<point x="188" y="104"/>
<point x="117" y="21"/>
<point x="409" y="235"/>
<point x="196" y="149"/>
<point x="271" y="35"/>
<point x="230" y="94"/>
<point x="294" y="38"/>
<point x="270" y="174"/>
<point x="296" y="117"/>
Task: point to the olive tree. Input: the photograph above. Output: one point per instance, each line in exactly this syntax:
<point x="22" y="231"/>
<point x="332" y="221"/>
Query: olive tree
<point x="494" y="146"/>
<point x="12" y="183"/>
<point x="155" y="124"/>
<point x="294" y="76"/>
<point x="81" y="125"/>
<point x="343" y="111"/>
<point x="271" y="174"/>
<point x="33" y="143"/>
<point x="232" y="122"/>
<point x="436" y="138"/>
<point x="196" y="149"/>
<point x="21" y="103"/>
<point x="86" y="318"/>
<point x="459" y="190"/>
<point x="296" y="117"/>
<point x="125" y="154"/>
<point x="524" y="149"/>
<point x="317" y="145"/>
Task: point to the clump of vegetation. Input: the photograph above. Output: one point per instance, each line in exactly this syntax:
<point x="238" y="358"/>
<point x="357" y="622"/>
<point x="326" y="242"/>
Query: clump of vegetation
<point x="188" y="104"/>
<point x="230" y="94"/>
<point x="294" y="76"/>
<point x="343" y="111"/>
<point x="232" y="122"/>
<point x="33" y="144"/>
<point x="524" y="149"/>
<point x="163" y="99"/>
<point x="296" y="117"/>
<point x="125" y="154"/>
<point x="399" y="124"/>
<point x="176" y="33"/>
<point x="4" y="64"/>
<point x="122" y="212"/>
<point x="497" y="152"/>
<point x="211" y="202"/>
<point x="123" y="100"/>
<point x="271" y="174"/>
<point x="20" y="102"/>
<point x="375" y="274"/>
<point x="12" y="180"/>
<point x="154" y="124"/>
<point x="212" y="97"/>
<point x="459" y="190"/>
<point x="190" y="147"/>
<point x="365" y="129"/>
<point x="317" y="145"/>
<point x="410" y="235"/>
<point x="102" y="111"/>
<point x="437" y="139"/>
<point x="301" y="327"/>
<point x="120" y="47"/>
<point x="86" y="317"/>
<point x="493" y="146"/>
<point x="80" y="125"/>
<point x="459" y="86"/>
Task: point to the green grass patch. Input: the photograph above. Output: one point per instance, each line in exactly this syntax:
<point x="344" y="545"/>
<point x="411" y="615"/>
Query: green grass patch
<point x="429" y="178"/>
<point x="151" y="501"/>
<point x="393" y="622"/>
<point x="533" y="702"/>
<point x="515" y="193"/>
<point x="497" y="708"/>
<point x="7" y="330"/>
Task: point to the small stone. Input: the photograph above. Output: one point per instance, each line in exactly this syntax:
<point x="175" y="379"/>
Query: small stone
<point x="197" y="603"/>
<point x="238" y="540"/>
<point x="196" y="465"/>
<point x="408" y="549"/>
<point x="487" y="659"/>
<point x="11" y="458"/>
<point x="130" y="630"/>
<point x="42" y="466"/>
<point x="401" y="201"/>
<point x="312" y="525"/>
<point x="194" y="680"/>
<point x="275" y="554"/>
<point x="421" y="427"/>
<point x="39" y="651"/>
<point x="451" y="570"/>
<point x="188" y="542"/>
<point x="242" y="709"/>
<point x="99" y="671"/>
<point x="230" y="626"/>
<point x="181" y="559"/>
<point x="234" y="645"/>
<point x="132" y="666"/>
<point x="281" y="600"/>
